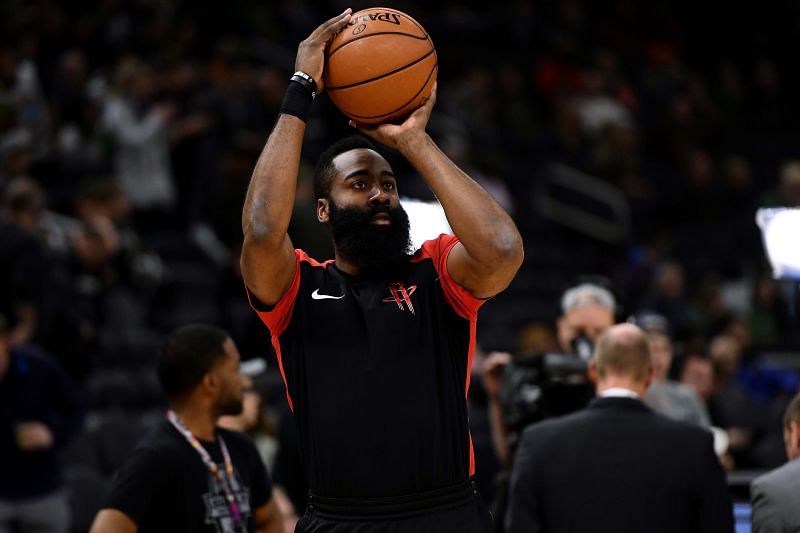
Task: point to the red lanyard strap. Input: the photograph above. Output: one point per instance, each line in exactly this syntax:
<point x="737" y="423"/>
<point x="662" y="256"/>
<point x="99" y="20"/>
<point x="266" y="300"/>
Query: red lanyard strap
<point x="225" y="480"/>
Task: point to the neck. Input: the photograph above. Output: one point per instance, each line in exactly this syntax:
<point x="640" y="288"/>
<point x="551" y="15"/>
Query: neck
<point x="197" y="418"/>
<point x="346" y="266"/>
<point x="621" y="382"/>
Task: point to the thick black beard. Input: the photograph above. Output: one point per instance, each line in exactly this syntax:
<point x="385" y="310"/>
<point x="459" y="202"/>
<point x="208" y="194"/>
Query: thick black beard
<point x="370" y="246"/>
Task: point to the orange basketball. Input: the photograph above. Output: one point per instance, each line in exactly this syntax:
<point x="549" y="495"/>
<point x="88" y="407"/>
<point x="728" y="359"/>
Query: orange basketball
<point x="380" y="67"/>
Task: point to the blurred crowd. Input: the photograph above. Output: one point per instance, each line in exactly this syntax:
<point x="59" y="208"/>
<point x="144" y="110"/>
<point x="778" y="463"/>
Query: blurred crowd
<point x="128" y="131"/>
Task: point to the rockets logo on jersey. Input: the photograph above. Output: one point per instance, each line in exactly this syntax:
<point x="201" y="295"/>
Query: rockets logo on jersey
<point x="400" y="295"/>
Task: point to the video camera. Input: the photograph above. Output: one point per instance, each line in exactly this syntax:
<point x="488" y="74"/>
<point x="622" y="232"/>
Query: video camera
<point x="539" y="386"/>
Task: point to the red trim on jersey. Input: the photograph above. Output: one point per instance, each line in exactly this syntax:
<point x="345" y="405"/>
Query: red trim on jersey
<point x="471" y="457"/>
<point x="456" y="296"/>
<point x="471" y="352"/>
<point x="276" y="345"/>
<point x="277" y="319"/>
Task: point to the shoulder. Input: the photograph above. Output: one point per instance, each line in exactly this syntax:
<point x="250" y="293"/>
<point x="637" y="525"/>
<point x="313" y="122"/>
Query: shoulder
<point x="435" y="248"/>
<point x="681" y="430"/>
<point x="238" y="442"/>
<point x="161" y="443"/>
<point x="542" y="432"/>
<point x="780" y="478"/>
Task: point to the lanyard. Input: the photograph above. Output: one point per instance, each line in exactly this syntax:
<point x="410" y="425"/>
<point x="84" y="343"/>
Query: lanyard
<point x="211" y="465"/>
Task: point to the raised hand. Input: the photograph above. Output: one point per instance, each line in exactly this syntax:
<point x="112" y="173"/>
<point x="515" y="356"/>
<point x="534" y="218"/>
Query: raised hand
<point x="400" y="136"/>
<point x="311" y="52"/>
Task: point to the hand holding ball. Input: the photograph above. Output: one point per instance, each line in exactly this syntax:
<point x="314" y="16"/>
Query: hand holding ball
<point x="380" y="67"/>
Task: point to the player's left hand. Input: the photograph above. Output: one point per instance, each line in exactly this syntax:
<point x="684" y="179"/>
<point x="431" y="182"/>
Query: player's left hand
<point x="402" y="136"/>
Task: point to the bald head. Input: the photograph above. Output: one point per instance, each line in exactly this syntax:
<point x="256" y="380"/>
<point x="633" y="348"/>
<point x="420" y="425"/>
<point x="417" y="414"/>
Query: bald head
<point x="623" y="352"/>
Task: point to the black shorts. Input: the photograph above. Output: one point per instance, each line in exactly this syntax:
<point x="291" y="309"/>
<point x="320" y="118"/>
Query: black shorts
<point x="458" y="509"/>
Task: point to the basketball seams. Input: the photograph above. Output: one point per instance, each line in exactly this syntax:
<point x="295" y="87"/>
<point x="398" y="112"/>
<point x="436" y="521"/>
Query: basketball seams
<point x="390" y="52"/>
<point x="384" y="75"/>
<point x="356" y="39"/>
<point x="390" y="113"/>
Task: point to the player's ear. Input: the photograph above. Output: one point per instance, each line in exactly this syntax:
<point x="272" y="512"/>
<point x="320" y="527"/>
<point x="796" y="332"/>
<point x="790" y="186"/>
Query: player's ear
<point x="322" y="210"/>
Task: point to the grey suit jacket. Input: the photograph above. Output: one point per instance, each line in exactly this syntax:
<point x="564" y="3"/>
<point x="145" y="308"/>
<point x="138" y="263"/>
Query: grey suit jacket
<point x="776" y="500"/>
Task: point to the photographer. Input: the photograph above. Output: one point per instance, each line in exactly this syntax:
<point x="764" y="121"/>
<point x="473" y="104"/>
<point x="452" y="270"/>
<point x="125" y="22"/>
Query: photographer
<point x="526" y="388"/>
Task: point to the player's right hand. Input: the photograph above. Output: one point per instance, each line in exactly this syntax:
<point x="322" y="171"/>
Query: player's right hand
<point x="311" y="52"/>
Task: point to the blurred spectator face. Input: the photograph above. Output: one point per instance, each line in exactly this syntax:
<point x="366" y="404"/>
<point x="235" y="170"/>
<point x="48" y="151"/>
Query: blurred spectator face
<point x="738" y="175"/>
<point x="791" y="436"/>
<point x="537" y="338"/>
<point x="698" y="373"/>
<point x="660" y="354"/>
<point x="670" y="281"/>
<point x="699" y="169"/>
<point x="8" y="66"/>
<point x="726" y="352"/>
<point x="73" y="68"/>
<point x="790" y="184"/>
<point x="90" y="250"/>
<point x="144" y="85"/>
<point x="591" y="321"/>
<point x="24" y="202"/>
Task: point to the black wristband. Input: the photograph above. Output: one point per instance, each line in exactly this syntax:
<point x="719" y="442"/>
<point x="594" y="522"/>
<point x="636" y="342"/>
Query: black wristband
<point x="297" y="100"/>
<point x="306" y="81"/>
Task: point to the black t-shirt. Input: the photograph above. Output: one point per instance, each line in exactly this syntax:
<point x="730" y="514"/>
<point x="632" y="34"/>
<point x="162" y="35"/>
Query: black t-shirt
<point x="165" y="486"/>
<point x="377" y="373"/>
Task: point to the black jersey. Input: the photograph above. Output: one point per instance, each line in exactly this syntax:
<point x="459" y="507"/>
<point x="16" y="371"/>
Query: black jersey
<point x="377" y="373"/>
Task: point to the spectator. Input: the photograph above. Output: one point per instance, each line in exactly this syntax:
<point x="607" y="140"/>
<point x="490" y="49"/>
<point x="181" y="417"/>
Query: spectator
<point x="139" y="125"/>
<point x="189" y="475"/>
<point x="613" y="454"/>
<point x="39" y="412"/>
<point x="666" y="397"/>
<point x="776" y="506"/>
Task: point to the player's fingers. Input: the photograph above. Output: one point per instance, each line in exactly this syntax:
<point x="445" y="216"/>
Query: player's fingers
<point x="329" y="27"/>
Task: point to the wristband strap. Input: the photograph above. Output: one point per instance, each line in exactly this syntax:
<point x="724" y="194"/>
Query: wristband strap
<point x="306" y="81"/>
<point x="297" y="100"/>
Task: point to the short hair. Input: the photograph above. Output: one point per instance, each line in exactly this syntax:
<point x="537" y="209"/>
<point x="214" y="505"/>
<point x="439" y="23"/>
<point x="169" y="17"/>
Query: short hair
<point x="23" y="195"/>
<point x="323" y="172"/>
<point x="792" y="412"/>
<point x="187" y="355"/>
<point x="586" y="295"/>
<point x="623" y="350"/>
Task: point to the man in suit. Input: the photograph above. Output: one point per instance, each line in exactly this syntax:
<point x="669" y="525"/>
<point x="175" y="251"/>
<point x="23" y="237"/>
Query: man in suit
<point x="616" y="465"/>
<point x="776" y="495"/>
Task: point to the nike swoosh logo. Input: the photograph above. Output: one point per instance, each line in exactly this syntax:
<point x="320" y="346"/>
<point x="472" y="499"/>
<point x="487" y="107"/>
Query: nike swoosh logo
<point x="317" y="296"/>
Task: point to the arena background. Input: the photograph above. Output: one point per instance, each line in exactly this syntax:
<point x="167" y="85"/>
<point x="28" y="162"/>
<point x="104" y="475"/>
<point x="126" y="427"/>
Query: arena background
<point x="631" y="140"/>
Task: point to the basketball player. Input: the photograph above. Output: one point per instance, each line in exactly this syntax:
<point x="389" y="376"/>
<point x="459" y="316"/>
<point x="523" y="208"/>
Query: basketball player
<point x="375" y="346"/>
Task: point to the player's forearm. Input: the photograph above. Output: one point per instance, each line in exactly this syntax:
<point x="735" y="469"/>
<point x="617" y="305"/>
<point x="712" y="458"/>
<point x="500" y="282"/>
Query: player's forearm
<point x="482" y="226"/>
<point x="270" y="195"/>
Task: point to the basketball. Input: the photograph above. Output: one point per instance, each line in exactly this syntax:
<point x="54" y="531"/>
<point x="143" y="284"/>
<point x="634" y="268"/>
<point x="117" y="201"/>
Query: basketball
<point x="380" y="67"/>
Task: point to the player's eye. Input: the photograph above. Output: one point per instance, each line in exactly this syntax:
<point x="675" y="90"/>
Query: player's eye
<point x="359" y="184"/>
<point x="388" y="185"/>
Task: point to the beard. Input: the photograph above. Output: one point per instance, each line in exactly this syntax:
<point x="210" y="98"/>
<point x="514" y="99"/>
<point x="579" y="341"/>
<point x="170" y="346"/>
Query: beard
<point x="230" y="405"/>
<point x="371" y="246"/>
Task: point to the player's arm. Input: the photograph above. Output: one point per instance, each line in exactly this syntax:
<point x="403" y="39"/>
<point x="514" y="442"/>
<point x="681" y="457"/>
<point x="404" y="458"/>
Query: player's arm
<point x="490" y="251"/>
<point x="113" y="521"/>
<point x="267" y="260"/>
<point x="268" y="518"/>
